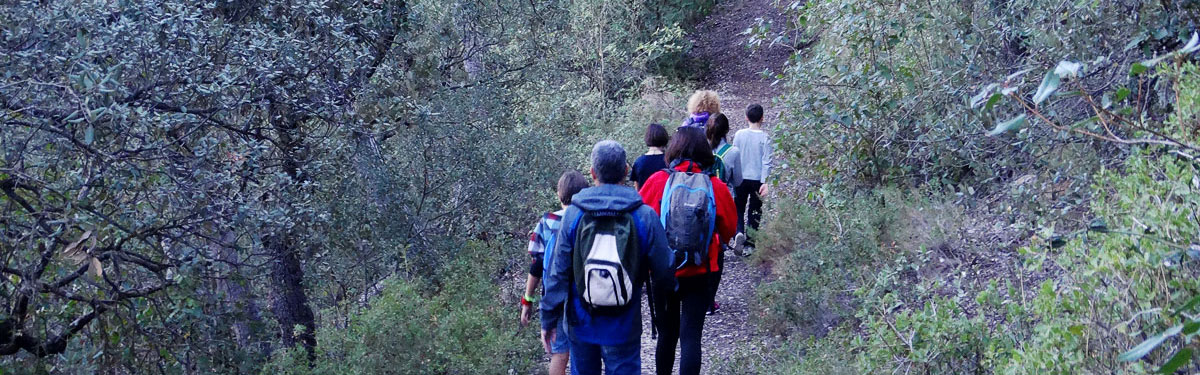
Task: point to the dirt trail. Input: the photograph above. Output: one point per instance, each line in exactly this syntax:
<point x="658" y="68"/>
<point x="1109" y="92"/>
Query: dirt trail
<point x="736" y="73"/>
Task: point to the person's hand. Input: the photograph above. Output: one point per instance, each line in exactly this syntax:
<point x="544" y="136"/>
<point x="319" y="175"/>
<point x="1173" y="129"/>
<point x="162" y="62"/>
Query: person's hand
<point x="526" y="312"/>
<point x="547" y="338"/>
<point x="762" y="190"/>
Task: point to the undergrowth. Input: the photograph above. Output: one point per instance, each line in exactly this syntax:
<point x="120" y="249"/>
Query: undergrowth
<point x="417" y="328"/>
<point x="908" y="280"/>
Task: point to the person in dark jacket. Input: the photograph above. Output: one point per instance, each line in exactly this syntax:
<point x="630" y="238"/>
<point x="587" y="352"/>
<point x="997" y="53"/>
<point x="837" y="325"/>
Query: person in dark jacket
<point x="611" y="341"/>
<point x="652" y="161"/>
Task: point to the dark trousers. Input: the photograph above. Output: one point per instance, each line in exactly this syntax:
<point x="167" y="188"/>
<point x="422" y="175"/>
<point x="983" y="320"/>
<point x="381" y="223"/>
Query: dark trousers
<point x="683" y="324"/>
<point x="749" y="207"/>
<point x="714" y="279"/>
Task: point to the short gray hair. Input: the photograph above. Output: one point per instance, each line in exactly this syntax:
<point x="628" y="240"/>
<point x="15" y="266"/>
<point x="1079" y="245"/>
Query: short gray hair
<point x="608" y="160"/>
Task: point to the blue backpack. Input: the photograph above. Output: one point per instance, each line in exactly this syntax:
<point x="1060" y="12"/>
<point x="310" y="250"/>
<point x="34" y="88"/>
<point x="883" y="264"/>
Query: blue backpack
<point x="689" y="214"/>
<point x="553" y="223"/>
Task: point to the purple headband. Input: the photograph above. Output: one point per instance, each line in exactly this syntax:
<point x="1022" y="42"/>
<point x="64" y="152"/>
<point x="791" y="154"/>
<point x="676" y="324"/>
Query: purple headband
<point x="697" y="120"/>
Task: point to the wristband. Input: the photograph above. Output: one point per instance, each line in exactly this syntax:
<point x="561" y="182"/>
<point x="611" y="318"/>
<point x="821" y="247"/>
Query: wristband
<point x="528" y="300"/>
<point x="526" y="303"/>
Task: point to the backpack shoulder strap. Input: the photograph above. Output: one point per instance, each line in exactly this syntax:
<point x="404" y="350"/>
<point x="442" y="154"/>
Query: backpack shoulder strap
<point x="643" y="241"/>
<point x="722" y="150"/>
<point x="712" y="219"/>
<point x="718" y="168"/>
<point x="664" y="203"/>
<point x="573" y="226"/>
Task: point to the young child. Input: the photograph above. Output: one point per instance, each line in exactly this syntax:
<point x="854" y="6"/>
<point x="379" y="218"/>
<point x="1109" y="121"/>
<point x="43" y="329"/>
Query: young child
<point x="540" y="240"/>
<point x="755" y="147"/>
<point x="652" y="161"/>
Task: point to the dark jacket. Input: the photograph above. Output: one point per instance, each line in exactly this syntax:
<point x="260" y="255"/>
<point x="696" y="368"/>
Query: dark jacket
<point x="559" y="279"/>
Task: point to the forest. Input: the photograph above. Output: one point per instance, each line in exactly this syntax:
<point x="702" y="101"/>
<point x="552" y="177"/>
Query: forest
<point x="324" y="186"/>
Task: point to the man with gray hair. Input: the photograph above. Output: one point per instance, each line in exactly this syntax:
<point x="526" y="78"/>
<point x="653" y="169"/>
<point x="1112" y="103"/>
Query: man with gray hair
<point x="608" y="246"/>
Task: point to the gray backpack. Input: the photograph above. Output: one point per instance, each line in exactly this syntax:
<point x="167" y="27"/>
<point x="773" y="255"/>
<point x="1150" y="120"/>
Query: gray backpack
<point x="689" y="214"/>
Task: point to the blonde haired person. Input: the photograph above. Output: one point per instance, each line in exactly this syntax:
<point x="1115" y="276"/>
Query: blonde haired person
<point x="701" y="106"/>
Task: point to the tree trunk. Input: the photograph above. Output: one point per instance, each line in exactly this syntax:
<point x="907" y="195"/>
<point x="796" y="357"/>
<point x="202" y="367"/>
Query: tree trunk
<point x="237" y="295"/>
<point x="289" y="299"/>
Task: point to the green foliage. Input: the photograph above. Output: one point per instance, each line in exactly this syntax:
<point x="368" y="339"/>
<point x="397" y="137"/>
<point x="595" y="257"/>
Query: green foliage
<point x="878" y="95"/>
<point x="1118" y="295"/>
<point x="186" y="187"/>
<point x="853" y="269"/>
<point x="410" y="328"/>
<point x="1114" y="121"/>
<point x="817" y="248"/>
<point x="1125" y="280"/>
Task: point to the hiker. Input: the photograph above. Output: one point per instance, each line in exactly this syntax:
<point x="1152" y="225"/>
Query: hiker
<point x="755" y="147"/>
<point x="652" y="161"/>
<point x="609" y="244"/>
<point x="699" y="215"/>
<point x="728" y="164"/>
<point x="728" y="168"/>
<point x="700" y="106"/>
<point x="541" y="239"/>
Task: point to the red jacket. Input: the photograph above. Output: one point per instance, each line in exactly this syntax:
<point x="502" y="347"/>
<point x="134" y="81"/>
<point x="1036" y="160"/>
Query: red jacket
<point x="727" y="215"/>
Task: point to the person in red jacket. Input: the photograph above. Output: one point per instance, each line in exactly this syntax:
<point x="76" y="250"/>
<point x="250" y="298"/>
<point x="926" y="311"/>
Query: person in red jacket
<point x="683" y="321"/>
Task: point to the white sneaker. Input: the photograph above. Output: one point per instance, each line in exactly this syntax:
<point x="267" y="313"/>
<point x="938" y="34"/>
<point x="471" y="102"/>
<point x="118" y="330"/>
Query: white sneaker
<point x="738" y="241"/>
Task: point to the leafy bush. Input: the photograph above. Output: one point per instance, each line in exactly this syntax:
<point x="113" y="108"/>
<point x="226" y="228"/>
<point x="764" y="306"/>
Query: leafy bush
<point x="415" y="328"/>
<point x="850" y="270"/>
<point x="815" y="248"/>
<point x="877" y="95"/>
<point x="1118" y="295"/>
<point x="1129" y="278"/>
<point x="834" y="243"/>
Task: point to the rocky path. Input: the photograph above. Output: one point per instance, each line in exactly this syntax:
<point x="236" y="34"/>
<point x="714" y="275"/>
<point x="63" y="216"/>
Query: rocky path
<point x="734" y="70"/>
<point x="736" y="73"/>
<point x="727" y="330"/>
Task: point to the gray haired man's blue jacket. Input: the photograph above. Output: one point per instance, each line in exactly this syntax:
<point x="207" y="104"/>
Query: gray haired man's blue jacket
<point x="559" y="279"/>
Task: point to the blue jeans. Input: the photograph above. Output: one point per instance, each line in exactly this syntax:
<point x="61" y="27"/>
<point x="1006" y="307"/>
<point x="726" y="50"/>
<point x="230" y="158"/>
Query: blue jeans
<point x="622" y="359"/>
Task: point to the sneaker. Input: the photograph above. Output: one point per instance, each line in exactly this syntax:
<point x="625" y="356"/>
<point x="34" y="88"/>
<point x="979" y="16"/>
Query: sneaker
<point x="713" y="309"/>
<point x="739" y="242"/>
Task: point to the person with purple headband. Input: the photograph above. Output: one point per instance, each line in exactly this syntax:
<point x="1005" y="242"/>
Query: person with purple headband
<point x="701" y="107"/>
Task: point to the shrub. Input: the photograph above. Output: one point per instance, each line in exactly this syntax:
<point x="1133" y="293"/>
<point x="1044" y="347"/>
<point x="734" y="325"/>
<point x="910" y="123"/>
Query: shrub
<point x="877" y="94"/>
<point x="1119" y="295"/>
<point x="416" y="328"/>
